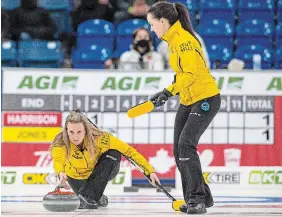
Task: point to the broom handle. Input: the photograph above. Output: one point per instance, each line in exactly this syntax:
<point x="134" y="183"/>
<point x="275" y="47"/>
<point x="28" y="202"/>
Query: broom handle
<point x="148" y="177"/>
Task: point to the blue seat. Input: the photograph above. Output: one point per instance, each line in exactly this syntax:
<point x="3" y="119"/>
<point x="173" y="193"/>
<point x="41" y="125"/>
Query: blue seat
<point x="125" y="32"/>
<point x="278" y="31"/>
<point x="254" y="30"/>
<point x="246" y="53"/>
<point x="40" y="54"/>
<point x="8" y="54"/>
<point x="220" y="52"/>
<point x="96" y="31"/>
<point x="215" y="28"/>
<point x="258" y="5"/>
<point x="10" y="4"/>
<point x="192" y="5"/>
<point x="278" y="59"/>
<point x="59" y="12"/>
<point x="254" y="9"/>
<point x="93" y="57"/>
<point x="217" y="5"/>
<point x="227" y="16"/>
<point x="261" y="15"/>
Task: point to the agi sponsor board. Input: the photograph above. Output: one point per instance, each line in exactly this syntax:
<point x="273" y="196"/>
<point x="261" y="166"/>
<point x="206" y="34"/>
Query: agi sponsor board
<point x="40" y="81"/>
<point x="29" y="134"/>
<point x="30" y="119"/>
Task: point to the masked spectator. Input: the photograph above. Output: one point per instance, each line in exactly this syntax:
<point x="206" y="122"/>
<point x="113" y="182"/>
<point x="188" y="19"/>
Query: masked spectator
<point x="142" y="54"/>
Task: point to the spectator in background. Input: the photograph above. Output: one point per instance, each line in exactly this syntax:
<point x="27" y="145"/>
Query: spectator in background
<point x="142" y="54"/>
<point x="92" y="9"/>
<point x="5" y="26"/>
<point x="163" y="50"/>
<point x="131" y="9"/>
<point x="30" y="21"/>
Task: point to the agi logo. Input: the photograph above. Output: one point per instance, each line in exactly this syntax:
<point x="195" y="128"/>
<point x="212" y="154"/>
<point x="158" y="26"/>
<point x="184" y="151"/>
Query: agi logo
<point x="222" y="177"/>
<point x="48" y="82"/>
<point x="131" y="83"/>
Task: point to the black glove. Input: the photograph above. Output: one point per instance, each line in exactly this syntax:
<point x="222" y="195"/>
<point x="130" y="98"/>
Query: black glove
<point x="160" y="98"/>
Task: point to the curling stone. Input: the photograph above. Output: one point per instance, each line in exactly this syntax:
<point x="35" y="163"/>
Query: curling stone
<point x="58" y="201"/>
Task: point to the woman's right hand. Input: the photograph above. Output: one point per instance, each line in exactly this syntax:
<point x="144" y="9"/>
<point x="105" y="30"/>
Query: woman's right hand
<point x="62" y="178"/>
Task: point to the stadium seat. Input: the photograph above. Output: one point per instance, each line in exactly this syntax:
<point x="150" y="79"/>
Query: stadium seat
<point x="226" y="16"/>
<point x="278" y="31"/>
<point x="96" y="31"/>
<point x="192" y="5"/>
<point x="254" y="30"/>
<point x="125" y="31"/>
<point x="261" y="15"/>
<point x="217" y="5"/>
<point x="254" y="9"/>
<point x="246" y="53"/>
<point x="220" y="52"/>
<point x="59" y="11"/>
<point x="10" y="4"/>
<point x="40" y="54"/>
<point x="255" y="5"/>
<point x="8" y="54"/>
<point x="278" y="58"/>
<point x="215" y="28"/>
<point x="91" y="58"/>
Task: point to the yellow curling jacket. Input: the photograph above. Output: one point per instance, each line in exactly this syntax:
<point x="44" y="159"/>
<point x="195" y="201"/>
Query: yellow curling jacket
<point x="193" y="79"/>
<point x="80" y="165"/>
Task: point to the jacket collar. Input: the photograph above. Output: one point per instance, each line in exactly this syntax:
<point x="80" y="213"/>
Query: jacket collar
<point x="169" y="35"/>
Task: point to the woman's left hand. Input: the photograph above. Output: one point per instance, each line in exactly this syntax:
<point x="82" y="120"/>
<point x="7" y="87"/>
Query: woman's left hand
<point x="154" y="178"/>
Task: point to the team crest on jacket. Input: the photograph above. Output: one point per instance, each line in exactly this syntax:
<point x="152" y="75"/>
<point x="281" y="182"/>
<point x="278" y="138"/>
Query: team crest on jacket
<point x="187" y="46"/>
<point x="105" y="139"/>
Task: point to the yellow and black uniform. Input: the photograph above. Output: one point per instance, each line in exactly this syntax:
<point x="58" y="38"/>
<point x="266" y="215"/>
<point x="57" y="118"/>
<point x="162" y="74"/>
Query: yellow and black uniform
<point x="80" y="165"/>
<point x="193" y="79"/>
<point x="199" y="103"/>
<point x="95" y="174"/>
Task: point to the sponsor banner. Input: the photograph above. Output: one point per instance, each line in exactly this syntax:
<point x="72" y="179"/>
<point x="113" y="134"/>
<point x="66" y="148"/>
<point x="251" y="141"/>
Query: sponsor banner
<point x="249" y="177"/>
<point x="159" y="156"/>
<point x="46" y="176"/>
<point x="40" y="81"/>
<point x="29" y="134"/>
<point x="222" y="177"/>
<point x="267" y="176"/>
<point x="26" y="155"/>
<point x="9" y="176"/>
<point x="38" y="155"/>
<point x="236" y="155"/>
<point x="32" y="119"/>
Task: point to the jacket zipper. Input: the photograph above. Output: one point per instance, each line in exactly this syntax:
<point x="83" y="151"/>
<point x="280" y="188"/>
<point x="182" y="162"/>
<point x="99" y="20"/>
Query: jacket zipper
<point x="179" y="64"/>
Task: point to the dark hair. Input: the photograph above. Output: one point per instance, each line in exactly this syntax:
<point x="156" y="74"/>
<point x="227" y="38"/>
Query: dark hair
<point x="173" y="12"/>
<point x="142" y="28"/>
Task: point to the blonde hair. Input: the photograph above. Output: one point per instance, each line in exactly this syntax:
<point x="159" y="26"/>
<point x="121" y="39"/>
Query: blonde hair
<point x="91" y="133"/>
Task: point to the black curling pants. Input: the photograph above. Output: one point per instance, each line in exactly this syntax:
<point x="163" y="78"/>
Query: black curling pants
<point x="190" y="123"/>
<point x="105" y="170"/>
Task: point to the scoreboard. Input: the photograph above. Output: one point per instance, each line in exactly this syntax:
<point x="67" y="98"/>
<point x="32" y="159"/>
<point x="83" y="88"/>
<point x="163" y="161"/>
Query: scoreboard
<point x="242" y="119"/>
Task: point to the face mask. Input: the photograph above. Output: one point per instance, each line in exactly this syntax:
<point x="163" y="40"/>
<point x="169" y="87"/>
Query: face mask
<point x="142" y="44"/>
